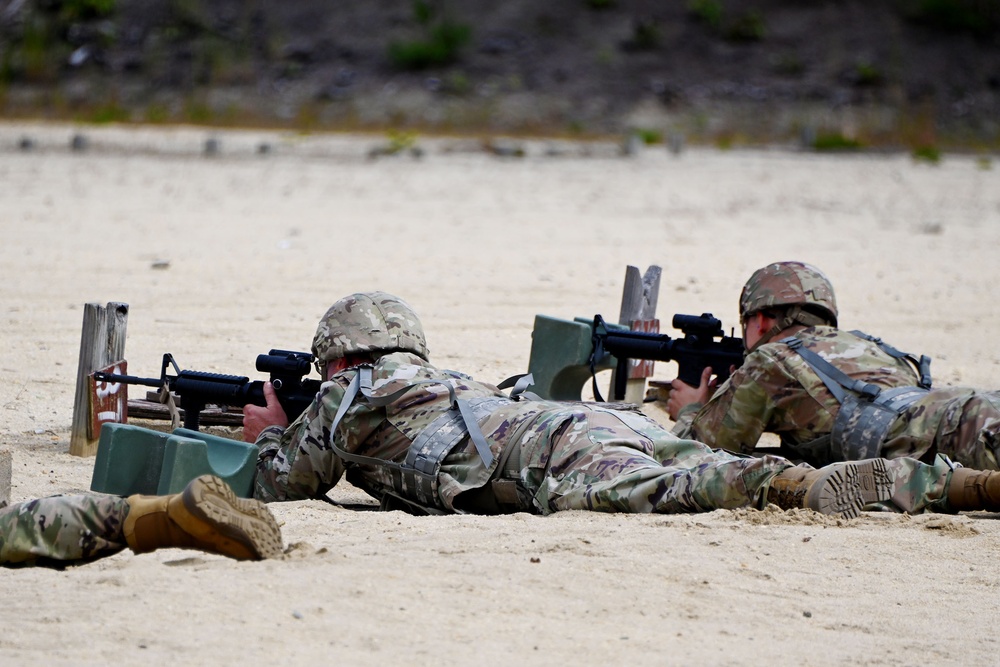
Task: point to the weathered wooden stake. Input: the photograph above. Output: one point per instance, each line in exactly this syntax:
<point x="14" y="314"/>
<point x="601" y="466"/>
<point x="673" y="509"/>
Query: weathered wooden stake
<point x="6" y="465"/>
<point x="639" y="297"/>
<point x="101" y="343"/>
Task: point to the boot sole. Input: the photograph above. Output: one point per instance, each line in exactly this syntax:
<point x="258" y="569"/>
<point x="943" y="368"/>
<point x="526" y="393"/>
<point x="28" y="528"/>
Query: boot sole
<point x="838" y="492"/>
<point x="874" y="480"/>
<point x="245" y="521"/>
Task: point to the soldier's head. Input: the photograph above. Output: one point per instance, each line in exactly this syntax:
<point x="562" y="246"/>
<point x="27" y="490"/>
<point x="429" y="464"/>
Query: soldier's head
<point x="789" y="293"/>
<point x="363" y="326"/>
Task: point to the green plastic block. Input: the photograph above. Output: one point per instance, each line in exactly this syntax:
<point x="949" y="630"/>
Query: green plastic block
<point x="234" y="461"/>
<point x="560" y="357"/>
<point x="131" y="459"/>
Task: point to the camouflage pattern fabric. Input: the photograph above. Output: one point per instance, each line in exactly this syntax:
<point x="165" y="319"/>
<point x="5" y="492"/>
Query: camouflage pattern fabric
<point x="917" y="487"/>
<point x="58" y="529"/>
<point x="776" y="391"/>
<point x="571" y="455"/>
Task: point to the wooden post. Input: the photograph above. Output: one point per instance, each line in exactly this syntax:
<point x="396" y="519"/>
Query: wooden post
<point x="639" y="297"/>
<point x="101" y="343"/>
<point x="6" y="465"/>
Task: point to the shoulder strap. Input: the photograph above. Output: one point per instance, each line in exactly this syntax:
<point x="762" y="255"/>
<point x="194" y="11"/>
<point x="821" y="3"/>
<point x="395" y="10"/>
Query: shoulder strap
<point x="839" y="382"/>
<point x="362" y="383"/>
<point x="836" y="380"/>
<point x="921" y="365"/>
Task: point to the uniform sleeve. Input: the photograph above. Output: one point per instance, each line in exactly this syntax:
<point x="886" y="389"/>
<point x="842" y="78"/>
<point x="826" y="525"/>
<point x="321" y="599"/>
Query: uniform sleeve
<point x="736" y="415"/>
<point x="298" y="462"/>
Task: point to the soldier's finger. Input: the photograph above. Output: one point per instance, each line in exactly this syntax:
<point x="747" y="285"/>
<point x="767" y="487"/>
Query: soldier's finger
<point x="270" y="396"/>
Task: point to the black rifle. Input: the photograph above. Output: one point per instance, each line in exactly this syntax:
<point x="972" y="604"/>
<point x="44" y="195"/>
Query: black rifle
<point x="196" y="389"/>
<point x="694" y="352"/>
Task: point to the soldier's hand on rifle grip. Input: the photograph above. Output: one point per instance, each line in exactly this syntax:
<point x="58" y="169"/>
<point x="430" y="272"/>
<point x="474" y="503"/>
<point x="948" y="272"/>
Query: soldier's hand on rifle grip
<point x="256" y="418"/>
<point x="682" y="394"/>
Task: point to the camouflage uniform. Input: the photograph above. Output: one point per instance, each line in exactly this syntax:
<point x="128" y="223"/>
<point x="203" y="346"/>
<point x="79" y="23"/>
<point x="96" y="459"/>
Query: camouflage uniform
<point x="568" y="455"/>
<point x="62" y="528"/>
<point x="776" y="391"/>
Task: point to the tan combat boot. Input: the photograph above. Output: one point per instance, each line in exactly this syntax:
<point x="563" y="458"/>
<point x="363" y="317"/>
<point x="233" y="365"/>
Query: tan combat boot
<point x="207" y="516"/>
<point x="840" y="488"/>
<point x="971" y="490"/>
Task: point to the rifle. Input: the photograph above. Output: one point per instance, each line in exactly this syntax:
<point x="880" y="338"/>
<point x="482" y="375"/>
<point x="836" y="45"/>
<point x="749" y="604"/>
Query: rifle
<point x="694" y="352"/>
<point x="196" y="389"/>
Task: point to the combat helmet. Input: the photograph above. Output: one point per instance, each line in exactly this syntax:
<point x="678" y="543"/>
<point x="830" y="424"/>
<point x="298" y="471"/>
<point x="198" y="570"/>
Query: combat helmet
<point x="785" y="284"/>
<point x="368" y="322"/>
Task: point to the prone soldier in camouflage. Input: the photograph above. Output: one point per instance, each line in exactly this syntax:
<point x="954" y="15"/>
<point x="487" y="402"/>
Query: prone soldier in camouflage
<point x="829" y="394"/>
<point x="435" y="441"/>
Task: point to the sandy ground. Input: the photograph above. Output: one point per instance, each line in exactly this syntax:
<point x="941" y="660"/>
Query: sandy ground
<point x="258" y="245"/>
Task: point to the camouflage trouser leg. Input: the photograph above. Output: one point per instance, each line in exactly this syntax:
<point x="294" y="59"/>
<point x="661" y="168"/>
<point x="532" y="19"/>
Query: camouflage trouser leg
<point x="976" y="440"/>
<point x="62" y="528"/>
<point x="625" y="462"/>
<point x="917" y="487"/>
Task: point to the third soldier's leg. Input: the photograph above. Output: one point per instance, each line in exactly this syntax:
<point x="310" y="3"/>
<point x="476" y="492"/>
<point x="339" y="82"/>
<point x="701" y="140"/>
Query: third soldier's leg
<point x="621" y="461"/>
<point x="916" y="487"/>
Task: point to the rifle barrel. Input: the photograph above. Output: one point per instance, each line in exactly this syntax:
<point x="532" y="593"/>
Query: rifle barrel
<point x="127" y="379"/>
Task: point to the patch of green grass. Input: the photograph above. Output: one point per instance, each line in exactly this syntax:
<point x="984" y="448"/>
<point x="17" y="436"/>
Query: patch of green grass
<point x="725" y="141"/>
<point x="835" y="141"/>
<point x="423" y="12"/>
<point x="157" y="114"/>
<point x="648" y="136"/>
<point x="198" y="113"/>
<point x="83" y="9"/>
<point x="708" y="12"/>
<point x="929" y="154"/>
<point x="867" y="74"/>
<point x="440" y="47"/>
<point x="111" y="112"/>
<point x="984" y="163"/>
<point x="748" y="27"/>
<point x="645" y="35"/>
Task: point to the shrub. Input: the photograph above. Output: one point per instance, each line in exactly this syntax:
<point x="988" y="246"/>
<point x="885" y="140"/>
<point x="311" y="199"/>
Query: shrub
<point x="981" y="17"/>
<point x="708" y="12"/>
<point x="747" y="27"/>
<point x="835" y="141"/>
<point x="439" y="48"/>
<point x="927" y="154"/>
<point x="649" y="137"/>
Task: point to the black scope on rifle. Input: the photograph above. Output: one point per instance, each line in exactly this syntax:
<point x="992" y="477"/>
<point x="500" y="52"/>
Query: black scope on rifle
<point x="699" y="325"/>
<point x="283" y="363"/>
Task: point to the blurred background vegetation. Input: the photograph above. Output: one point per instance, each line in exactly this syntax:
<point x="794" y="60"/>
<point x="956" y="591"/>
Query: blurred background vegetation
<point x="838" y="74"/>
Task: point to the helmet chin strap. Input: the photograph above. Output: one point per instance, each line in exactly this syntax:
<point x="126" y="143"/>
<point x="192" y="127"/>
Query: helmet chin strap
<point x="792" y="316"/>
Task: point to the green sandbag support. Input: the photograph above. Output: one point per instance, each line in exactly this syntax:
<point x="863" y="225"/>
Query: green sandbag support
<point x="560" y="357"/>
<point x="131" y="459"/>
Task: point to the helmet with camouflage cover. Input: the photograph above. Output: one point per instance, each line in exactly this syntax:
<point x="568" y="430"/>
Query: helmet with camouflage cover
<point x="368" y="322"/>
<point x="786" y="284"/>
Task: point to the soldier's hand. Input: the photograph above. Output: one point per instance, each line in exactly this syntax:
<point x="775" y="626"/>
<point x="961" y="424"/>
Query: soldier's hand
<point x="682" y="394"/>
<point x="256" y="418"/>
